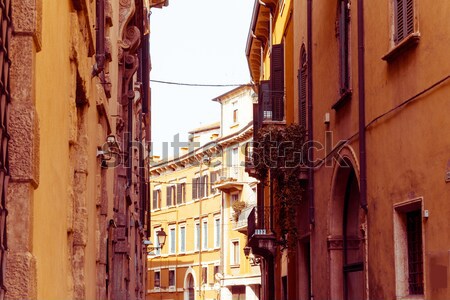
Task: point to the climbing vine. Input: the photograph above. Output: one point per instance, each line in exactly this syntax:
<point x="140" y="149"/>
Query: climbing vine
<point x="279" y="156"/>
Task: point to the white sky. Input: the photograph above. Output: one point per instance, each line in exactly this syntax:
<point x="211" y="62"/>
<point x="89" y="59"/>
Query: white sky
<point x="199" y="41"/>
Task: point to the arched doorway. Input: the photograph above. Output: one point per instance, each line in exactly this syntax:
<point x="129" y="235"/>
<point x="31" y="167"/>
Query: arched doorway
<point x="346" y="243"/>
<point x="189" y="285"/>
<point x="353" y="254"/>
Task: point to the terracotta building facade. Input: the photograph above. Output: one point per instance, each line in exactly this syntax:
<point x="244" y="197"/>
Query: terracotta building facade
<point x="75" y="113"/>
<point x="368" y="83"/>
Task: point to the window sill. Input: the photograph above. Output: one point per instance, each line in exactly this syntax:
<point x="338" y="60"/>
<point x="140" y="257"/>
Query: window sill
<point x="409" y="42"/>
<point x="345" y="96"/>
<point x="235" y="266"/>
<point x="234" y="125"/>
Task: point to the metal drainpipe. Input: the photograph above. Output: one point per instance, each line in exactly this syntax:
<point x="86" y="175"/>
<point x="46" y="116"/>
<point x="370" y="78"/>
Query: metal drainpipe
<point x="100" y="38"/>
<point x="362" y="107"/>
<point x="310" y="136"/>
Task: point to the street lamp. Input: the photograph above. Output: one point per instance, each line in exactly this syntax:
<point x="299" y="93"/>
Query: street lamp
<point x="161" y="236"/>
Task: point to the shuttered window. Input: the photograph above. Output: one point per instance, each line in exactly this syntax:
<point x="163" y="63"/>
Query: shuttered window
<point x="277" y="82"/>
<point x="169" y="195"/>
<point x="264" y="102"/>
<point x="194" y="188"/>
<point x="213" y="180"/>
<point x="181" y="193"/>
<point x="206" y="186"/>
<point x="404" y="19"/>
<point x="302" y="84"/>
<point x="344" y="69"/>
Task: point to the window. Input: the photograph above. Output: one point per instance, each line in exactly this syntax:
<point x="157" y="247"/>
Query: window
<point x="216" y="233"/>
<point x="302" y="86"/>
<point x="156" y="199"/>
<point x="277" y="80"/>
<point x="170" y="196"/>
<point x="182" y="241"/>
<point x="235" y="163"/>
<point x="214" y="177"/>
<point x="404" y="19"/>
<point x="172" y="238"/>
<point x="205" y="234"/>
<point x="205" y="186"/>
<point x="216" y="270"/>
<point x="344" y="69"/>
<point x="194" y="188"/>
<point x="155" y="241"/>
<point x="197" y="236"/>
<point x="204" y="274"/>
<point x="235" y="253"/>
<point x="234" y="198"/>
<point x="181" y="193"/>
<point x="171" y="279"/>
<point x="157" y="279"/>
<point x="415" y="255"/>
<point x="235" y="115"/>
<point x="408" y="248"/>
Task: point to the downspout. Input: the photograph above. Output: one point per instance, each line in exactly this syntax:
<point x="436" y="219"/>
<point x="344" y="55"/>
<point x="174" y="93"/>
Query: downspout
<point x="310" y="136"/>
<point x="99" y="38"/>
<point x="310" y="115"/>
<point x="362" y="107"/>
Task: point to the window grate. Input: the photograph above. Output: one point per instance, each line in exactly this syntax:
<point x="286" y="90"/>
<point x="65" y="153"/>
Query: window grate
<point x="415" y="255"/>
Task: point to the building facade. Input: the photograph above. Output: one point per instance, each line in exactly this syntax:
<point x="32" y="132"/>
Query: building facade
<point x="361" y="78"/>
<point x="201" y="199"/>
<point x="75" y="110"/>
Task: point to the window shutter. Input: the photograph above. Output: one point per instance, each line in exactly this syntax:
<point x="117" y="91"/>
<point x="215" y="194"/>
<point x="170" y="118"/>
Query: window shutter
<point x="179" y="193"/>
<point x="155" y="199"/>
<point x="194" y="188"/>
<point x="277" y="80"/>
<point x="201" y="187"/>
<point x="205" y="180"/>
<point x="169" y="196"/>
<point x="302" y="85"/>
<point x="404" y="19"/>
<point x="264" y="102"/>
<point x="213" y="180"/>
<point x="343" y="47"/>
<point x="409" y="16"/>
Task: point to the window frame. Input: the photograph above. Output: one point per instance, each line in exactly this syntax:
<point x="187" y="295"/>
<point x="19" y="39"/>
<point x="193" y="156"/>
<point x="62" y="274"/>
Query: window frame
<point x="158" y="198"/>
<point x="204" y="230"/>
<point x="217" y="235"/>
<point x="400" y="239"/>
<point x="235" y="261"/>
<point x="157" y="287"/>
<point x="180" y="239"/>
<point x="172" y="249"/>
<point x="197" y="238"/>
<point x="174" y="285"/>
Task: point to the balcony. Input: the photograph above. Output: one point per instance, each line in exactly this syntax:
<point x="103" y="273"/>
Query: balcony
<point x="242" y="222"/>
<point x="230" y="179"/>
<point x="259" y="227"/>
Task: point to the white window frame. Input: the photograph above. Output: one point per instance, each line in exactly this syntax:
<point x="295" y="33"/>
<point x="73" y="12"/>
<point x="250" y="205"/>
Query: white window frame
<point x="197" y="240"/>
<point x="233" y="262"/>
<point x="157" y="288"/>
<point x="204" y="234"/>
<point x="217" y="235"/>
<point x="157" y="250"/>
<point x="174" y="286"/>
<point x="174" y="228"/>
<point x="180" y="242"/>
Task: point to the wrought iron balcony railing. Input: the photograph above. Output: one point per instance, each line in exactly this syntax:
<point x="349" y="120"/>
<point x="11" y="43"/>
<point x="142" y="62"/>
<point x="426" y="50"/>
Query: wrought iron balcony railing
<point x="259" y="221"/>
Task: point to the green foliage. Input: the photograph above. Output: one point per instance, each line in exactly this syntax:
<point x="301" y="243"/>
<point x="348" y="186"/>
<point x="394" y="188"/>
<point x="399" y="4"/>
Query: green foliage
<point x="238" y="206"/>
<point x="279" y="155"/>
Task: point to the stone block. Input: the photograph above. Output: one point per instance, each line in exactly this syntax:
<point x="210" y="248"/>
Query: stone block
<point x="19" y="220"/>
<point x="20" y="279"/>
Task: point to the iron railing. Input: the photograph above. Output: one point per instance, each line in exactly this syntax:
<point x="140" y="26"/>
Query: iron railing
<point x="259" y="221"/>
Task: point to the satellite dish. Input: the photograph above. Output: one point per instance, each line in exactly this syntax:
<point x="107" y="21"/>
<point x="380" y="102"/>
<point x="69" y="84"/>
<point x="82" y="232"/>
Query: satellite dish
<point x="218" y="276"/>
